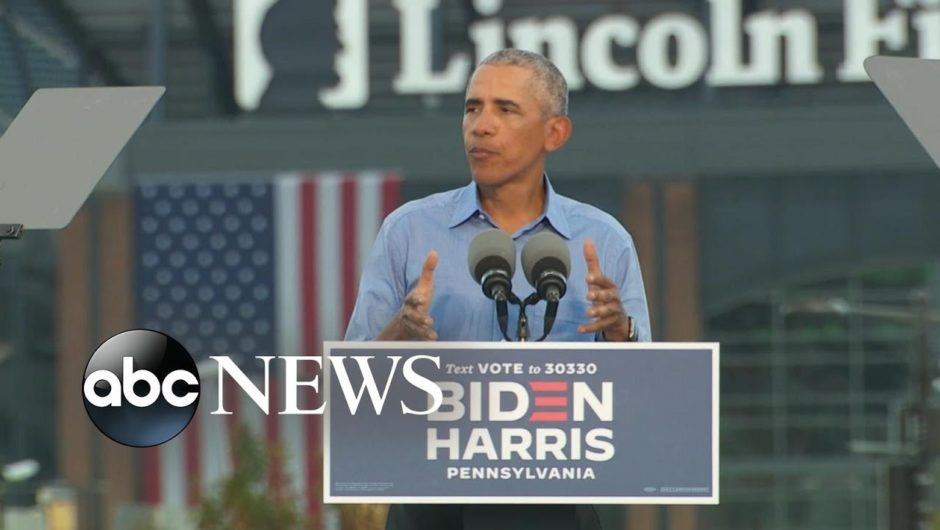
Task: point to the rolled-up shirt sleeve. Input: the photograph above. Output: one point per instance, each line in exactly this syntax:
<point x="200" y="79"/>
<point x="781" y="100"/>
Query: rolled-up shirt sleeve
<point x="625" y="272"/>
<point x="381" y="287"/>
<point x="632" y="293"/>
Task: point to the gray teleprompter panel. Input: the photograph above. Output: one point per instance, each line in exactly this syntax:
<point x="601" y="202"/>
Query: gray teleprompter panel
<point x="59" y="146"/>
<point x="912" y="86"/>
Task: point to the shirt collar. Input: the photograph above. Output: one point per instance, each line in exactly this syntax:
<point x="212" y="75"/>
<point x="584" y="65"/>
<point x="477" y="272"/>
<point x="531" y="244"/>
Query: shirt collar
<point x="467" y="204"/>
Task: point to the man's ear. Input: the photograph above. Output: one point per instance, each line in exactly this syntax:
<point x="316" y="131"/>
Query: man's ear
<point x="559" y="130"/>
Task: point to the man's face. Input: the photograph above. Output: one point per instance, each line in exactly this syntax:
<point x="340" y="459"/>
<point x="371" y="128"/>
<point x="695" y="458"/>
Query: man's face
<point x="505" y="130"/>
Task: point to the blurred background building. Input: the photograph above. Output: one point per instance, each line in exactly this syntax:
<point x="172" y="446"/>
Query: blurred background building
<point x="779" y="206"/>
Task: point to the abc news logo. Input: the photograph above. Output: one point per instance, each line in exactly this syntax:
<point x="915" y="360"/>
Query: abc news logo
<point x="141" y="388"/>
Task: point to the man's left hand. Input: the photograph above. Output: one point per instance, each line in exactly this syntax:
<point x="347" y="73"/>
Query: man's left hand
<point x="606" y="311"/>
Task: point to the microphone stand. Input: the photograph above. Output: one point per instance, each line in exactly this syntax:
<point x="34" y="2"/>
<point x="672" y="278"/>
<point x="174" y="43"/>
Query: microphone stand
<point x="551" y="309"/>
<point x="503" y="299"/>
<point x="542" y="517"/>
<point x="502" y="312"/>
<point x="523" y="331"/>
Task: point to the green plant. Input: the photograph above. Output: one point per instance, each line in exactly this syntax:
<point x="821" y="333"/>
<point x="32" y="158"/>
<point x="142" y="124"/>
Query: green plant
<point x="244" y="500"/>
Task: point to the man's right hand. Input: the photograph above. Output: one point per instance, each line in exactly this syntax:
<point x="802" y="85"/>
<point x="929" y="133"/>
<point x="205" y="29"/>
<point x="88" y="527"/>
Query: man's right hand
<point x="413" y="321"/>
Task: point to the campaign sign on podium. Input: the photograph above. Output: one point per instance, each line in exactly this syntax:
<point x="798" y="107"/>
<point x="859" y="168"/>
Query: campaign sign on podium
<point x="522" y="423"/>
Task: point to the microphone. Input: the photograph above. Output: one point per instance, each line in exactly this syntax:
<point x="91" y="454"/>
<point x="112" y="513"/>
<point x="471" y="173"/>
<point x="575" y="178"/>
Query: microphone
<point x="546" y="262"/>
<point x="492" y="262"/>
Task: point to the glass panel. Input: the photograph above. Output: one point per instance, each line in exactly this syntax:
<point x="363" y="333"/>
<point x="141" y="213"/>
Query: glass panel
<point x="797" y="388"/>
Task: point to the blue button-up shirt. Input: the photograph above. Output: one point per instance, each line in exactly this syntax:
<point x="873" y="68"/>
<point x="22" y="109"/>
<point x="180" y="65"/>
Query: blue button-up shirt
<point x="448" y="222"/>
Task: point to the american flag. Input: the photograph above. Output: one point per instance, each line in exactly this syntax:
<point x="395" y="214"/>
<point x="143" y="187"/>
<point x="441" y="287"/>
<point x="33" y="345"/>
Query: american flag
<point x="266" y="267"/>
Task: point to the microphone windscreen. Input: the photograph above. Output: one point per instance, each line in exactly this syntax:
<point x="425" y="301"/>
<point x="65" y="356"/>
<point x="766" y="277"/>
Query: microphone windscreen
<point x="491" y="249"/>
<point x="546" y="250"/>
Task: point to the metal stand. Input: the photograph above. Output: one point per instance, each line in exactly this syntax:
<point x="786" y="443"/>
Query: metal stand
<point x="522" y="329"/>
<point x="8" y="231"/>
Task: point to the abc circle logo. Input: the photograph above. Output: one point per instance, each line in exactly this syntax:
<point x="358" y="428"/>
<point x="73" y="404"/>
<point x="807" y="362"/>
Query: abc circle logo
<point x="141" y="388"/>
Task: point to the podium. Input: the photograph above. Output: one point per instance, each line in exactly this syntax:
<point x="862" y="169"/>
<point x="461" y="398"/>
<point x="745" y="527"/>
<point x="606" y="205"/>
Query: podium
<point x="521" y="423"/>
<point x="59" y="146"/>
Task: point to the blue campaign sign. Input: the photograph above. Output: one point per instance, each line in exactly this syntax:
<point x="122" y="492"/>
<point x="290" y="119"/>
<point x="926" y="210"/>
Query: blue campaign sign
<point x="521" y="423"/>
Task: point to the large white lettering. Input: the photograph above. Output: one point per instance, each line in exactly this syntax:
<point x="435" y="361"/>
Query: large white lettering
<point x="416" y="76"/>
<point x="597" y="53"/>
<point x="673" y="51"/>
<point x="927" y="24"/>
<point x="766" y="32"/>
<point x="691" y="51"/>
<point x="864" y="31"/>
<point x="488" y="35"/>
<point x="227" y="366"/>
<point x="369" y="388"/>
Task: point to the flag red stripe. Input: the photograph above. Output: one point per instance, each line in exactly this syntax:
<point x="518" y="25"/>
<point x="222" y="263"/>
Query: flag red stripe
<point x="231" y="421"/>
<point x="192" y="446"/>
<point x="549" y="416"/>
<point x="310" y="317"/>
<point x="391" y="194"/>
<point x="549" y="386"/>
<point x="272" y="435"/>
<point x="314" y="458"/>
<point x="545" y="401"/>
<point x="151" y="482"/>
<point x="349" y="242"/>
